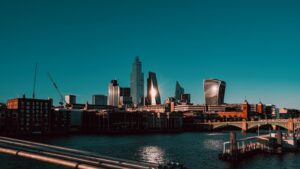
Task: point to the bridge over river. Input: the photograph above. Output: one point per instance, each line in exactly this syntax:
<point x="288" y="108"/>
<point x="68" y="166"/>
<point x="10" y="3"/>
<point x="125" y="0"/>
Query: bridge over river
<point x="290" y="124"/>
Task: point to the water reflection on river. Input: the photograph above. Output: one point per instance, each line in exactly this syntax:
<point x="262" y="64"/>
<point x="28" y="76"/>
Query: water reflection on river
<point x="196" y="150"/>
<point x="152" y="154"/>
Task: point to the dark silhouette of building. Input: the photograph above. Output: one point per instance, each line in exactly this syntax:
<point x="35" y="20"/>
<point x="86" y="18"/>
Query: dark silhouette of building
<point x="179" y="91"/>
<point x="125" y="98"/>
<point x="153" y="96"/>
<point x="214" y="91"/>
<point x="185" y="98"/>
<point x="99" y="100"/>
<point x="34" y="115"/>
<point x="70" y="99"/>
<point x="9" y="123"/>
<point x="26" y="116"/>
<point x="125" y="91"/>
<point x="122" y="121"/>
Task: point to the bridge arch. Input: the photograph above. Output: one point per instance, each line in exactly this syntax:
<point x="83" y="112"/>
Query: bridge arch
<point x="220" y="126"/>
<point x="253" y="126"/>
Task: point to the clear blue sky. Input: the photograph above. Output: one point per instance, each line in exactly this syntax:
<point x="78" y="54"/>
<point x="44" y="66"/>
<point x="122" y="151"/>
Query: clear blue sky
<point x="254" y="45"/>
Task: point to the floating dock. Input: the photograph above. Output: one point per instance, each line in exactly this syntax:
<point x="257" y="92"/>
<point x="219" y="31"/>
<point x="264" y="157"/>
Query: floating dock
<point x="276" y="143"/>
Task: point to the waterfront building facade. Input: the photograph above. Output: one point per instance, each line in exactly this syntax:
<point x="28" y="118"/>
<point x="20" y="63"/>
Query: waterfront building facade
<point x="33" y="114"/>
<point x="123" y="121"/>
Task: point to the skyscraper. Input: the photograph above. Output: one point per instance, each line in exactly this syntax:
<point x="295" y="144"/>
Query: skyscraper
<point x="113" y="93"/>
<point x="178" y="91"/>
<point x="214" y="91"/>
<point x="137" y="82"/>
<point x="153" y="96"/>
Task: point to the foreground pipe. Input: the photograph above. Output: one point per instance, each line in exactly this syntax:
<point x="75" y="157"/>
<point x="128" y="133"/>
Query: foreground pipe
<point x="106" y="163"/>
<point x="79" y="153"/>
<point x="52" y="160"/>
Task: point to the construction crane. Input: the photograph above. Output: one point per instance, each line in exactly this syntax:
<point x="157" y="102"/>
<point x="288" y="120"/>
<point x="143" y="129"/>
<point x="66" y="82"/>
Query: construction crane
<point x="34" y="81"/>
<point x="62" y="100"/>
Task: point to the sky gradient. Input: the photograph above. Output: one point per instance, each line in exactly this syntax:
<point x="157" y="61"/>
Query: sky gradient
<point x="253" y="45"/>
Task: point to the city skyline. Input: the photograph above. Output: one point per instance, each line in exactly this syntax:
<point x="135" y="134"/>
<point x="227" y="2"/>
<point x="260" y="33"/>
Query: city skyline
<point x="254" y="50"/>
<point x="179" y="84"/>
<point x="90" y="99"/>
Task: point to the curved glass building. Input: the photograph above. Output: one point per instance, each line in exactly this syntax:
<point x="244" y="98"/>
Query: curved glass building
<point x="153" y="96"/>
<point x="214" y="91"/>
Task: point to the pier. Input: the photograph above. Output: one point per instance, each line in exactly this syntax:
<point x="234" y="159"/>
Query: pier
<point x="276" y="143"/>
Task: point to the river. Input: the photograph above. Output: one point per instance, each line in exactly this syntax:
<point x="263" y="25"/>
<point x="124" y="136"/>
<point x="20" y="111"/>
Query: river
<point x="197" y="150"/>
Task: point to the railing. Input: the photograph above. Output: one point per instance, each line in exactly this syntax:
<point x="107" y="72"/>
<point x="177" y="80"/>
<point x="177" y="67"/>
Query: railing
<point x="247" y="148"/>
<point x="252" y="145"/>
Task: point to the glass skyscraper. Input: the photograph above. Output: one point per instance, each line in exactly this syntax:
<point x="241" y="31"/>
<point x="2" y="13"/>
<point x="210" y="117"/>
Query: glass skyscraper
<point x="214" y="91"/>
<point x="137" y="82"/>
<point x="178" y="91"/>
<point x="153" y="96"/>
<point x="113" y="93"/>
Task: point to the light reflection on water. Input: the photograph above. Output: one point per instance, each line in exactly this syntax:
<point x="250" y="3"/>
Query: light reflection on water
<point x="213" y="144"/>
<point x="213" y="141"/>
<point x="216" y="134"/>
<point x="153" y="154"/>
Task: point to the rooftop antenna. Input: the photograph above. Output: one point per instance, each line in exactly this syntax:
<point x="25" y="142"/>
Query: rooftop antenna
<point x="34" y="81"/>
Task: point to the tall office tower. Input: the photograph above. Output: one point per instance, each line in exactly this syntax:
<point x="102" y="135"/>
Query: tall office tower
<point x="70" y="99"/>
<point x="178" y="91"/>
<point x="99" y="100"/>
<point x="137" y="82"/>
<point x="153" y="96"/>
<point x="214" y="91"/>
<point x="113" y="93"/>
